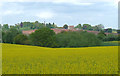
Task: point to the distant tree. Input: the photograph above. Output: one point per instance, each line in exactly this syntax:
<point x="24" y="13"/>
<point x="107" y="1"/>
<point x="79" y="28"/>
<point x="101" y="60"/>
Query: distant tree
<point x="9" y="35"/>
<point x="87" y="26"/>
<point x="5" y="27"/>
<point x="21" y="39"/>
<point x="65" y="26"/>
<point x="100" y="27"/>
<point x="12" y="26"/>
<point x="118" y="38"/>
<point x="43" y="37"/>
<point x="111" y="37"/>
<point x="53" y="25"/>
<point x="77" y="39"/>
<point x="36" y="22"/>
<point x="79" y="26"/>
<point x="118" y="31"/>
<point x="48" y="25"/>
<point x="109" y="30"/>
<point x="101" y="35"/>
<point x="21" y="24"/>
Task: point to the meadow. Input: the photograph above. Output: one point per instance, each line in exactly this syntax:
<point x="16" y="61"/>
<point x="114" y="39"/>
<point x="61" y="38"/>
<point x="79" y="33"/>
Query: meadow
<point x="23" y="59"/>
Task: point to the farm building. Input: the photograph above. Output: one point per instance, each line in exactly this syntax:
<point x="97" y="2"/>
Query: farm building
<point x="61" y="30"/>
<point x="71" y="27"/>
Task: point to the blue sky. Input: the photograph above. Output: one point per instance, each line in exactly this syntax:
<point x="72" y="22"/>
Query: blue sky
<point x="71" y="12"/>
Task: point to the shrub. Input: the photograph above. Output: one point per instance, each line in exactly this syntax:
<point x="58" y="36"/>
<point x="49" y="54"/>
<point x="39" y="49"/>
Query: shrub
<point x="101" y="35"/>
<point x="21" y="39"/>
<point x="8" y="36"/>
<point x="111" y="37"/>
<point x="43" y="37"/>
<point x="77" y="39"/>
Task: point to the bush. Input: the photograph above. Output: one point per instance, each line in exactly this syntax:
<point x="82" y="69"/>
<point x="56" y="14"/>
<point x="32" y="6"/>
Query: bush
<point x="77" y="39"/>
<point x="21" y="39"/>
<point x="111" y="37"/>
<point x="101" y="35"/>
<point x="43" y="37"/>
<point x="8" y="36"/>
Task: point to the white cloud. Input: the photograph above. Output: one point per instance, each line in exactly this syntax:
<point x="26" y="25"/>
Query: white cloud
<point x="76" y="2"/>
<point x="10" y="12"/>
<point x="83" y="1"/>
<point x="45" y="15"/>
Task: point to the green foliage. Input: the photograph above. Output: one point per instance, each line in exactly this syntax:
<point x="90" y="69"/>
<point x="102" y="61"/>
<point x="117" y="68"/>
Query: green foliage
<point x="5" y="27"/>
<point x="109" y="30"/>
<point x="21" y="39"/>
<point x="65" y="26"/>
<point x="79" y="26"/>
<point x="111" y="37"/>
<point x="51" y="25"/>
<point x="9" y="35"/>
<point x="77" y="39"/>
<point x="87" y="27"/>
<point x="118" y="38"/>
<point x="101" y="35"/>
<point x="118" y="31"/>
<point x="43" y="37"/>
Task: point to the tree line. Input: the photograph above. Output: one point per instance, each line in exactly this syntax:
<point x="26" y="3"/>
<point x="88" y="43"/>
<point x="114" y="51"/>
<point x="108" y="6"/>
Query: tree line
<point x="37" y="25"/>
<point x="45" y="37"/>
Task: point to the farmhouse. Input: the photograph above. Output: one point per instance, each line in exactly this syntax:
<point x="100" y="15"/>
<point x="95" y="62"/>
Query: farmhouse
<point x="71" y="27"/>
<point x="56" y="30"/>
<point x="59" y="30"/>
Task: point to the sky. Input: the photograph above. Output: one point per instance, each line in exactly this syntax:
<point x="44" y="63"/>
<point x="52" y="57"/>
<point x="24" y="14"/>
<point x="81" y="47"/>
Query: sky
<point x="71" y="12"/>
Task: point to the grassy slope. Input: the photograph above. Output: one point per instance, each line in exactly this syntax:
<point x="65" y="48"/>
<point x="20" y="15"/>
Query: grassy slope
<point x="21" y="59"/>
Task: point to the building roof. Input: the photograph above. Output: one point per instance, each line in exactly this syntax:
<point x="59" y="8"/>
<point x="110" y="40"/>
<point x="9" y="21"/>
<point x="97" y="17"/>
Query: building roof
<point x="60" y="30"/>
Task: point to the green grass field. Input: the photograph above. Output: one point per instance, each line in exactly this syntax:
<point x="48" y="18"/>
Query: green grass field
<point x="22" y="59"/>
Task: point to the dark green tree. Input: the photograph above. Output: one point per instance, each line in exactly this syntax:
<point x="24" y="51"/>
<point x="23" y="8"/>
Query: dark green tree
<point x="43" y="37"/>
<point x="5" y="27"/>
<point x="77" y="39"/>
<point x="109" y="30"/>
<point x="9" y="35"/>
<point x="101" y="35"/>
<point x="65" y="26"/>
<point x="79" y="26"/>
<point x="21" y="39"/>
<point x="87" y="27"/>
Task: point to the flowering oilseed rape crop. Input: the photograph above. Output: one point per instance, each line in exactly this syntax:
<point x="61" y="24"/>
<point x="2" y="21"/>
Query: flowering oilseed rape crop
<point x="22" y="59"/>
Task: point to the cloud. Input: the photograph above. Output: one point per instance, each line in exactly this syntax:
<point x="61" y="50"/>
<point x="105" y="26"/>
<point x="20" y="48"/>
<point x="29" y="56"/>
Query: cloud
<point x="75" y="2"/>
<point x="11" y="12"/>
<point x="45" y="15"/>
<point x="11" y="8"/>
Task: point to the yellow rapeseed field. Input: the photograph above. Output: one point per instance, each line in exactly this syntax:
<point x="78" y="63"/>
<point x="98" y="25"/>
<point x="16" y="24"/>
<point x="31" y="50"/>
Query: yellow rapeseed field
<point x="22" y="59"/>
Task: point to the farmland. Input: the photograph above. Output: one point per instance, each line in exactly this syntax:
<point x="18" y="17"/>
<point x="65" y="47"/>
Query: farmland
<point x="23" y="59"/>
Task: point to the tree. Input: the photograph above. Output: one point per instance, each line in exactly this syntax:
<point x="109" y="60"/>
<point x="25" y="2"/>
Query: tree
<point x="86" y="27"/>
<point x="111" y="37"/>
<point x="65" y="26"/>
<point x="118" y="31"/>
<point x="101" y="35"/>
<point x="48" y="25"/>
<point x="100" y="27"/>
<point x="109" y="30"/>
<point x="5" y="27"/>
<point x="43" y="37"/>
<point x="77" y="39"/>
<point x="21" y="39"/>
<point x="79" y="26"/>
<point x="21" y="24"/>
<point x="9" y="35"/>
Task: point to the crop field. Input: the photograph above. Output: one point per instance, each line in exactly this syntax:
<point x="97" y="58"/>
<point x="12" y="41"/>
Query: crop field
<point x="22" y="59"/>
